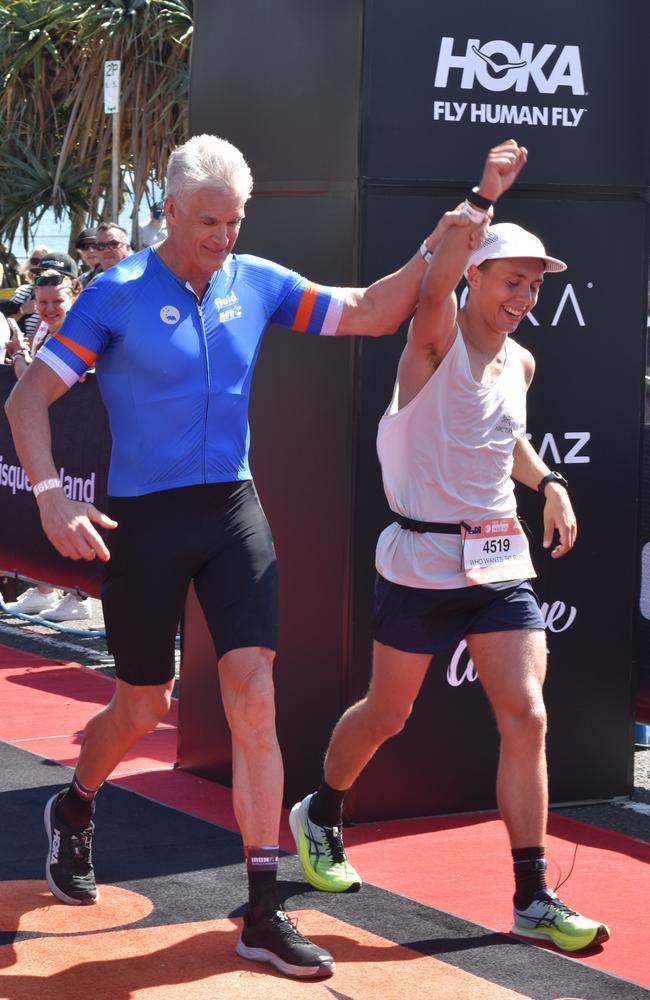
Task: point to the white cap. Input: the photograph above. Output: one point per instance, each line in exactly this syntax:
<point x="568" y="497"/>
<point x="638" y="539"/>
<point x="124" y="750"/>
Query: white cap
<point x="509" y="240"/>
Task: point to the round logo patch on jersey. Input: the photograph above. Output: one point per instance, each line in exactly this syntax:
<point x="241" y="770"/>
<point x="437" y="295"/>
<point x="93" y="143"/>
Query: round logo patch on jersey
<point x="170" y="315"/>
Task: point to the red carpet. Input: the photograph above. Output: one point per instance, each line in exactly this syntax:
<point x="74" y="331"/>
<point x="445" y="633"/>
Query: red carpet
<point x="46" y="704"/>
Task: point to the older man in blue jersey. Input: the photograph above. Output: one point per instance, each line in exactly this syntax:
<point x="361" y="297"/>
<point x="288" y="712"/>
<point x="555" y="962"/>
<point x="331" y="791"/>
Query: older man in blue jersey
<point x="173" y="333"/>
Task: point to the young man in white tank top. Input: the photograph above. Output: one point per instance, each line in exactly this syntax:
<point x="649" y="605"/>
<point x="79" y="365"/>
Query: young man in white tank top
<point x="455" y="563"/>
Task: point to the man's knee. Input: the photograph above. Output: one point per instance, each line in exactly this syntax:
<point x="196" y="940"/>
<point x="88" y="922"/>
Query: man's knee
<point x="524" y="721"/>
<point x="140" y="709"/>
<point x="386" y="721"/>
<point x="249" y="699"/>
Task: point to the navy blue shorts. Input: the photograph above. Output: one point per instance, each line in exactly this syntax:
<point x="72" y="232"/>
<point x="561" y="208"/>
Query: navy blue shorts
<point x="419" y="620"/>
<point x="217" y="536"/>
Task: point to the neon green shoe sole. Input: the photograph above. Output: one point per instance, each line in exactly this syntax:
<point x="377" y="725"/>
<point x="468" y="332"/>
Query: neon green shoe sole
<point x="548" y="919"/>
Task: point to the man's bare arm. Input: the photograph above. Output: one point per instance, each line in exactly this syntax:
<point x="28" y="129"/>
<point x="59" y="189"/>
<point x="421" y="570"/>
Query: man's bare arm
<point x="381" y="307"/>
<point x="529" y="469"/>
<point x="67" y="523"/>
<point x="434" y="322"/>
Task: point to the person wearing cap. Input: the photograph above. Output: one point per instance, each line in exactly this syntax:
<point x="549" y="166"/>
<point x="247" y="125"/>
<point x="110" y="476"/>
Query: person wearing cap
<point x="52" y="264"/>
<point x="26" y="313"/>
<point x="454" y="564"/>
<point x="85" y="246"/>
<point x="155" y="231"/>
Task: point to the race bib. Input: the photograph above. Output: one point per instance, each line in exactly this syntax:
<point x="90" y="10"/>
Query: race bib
<point x="495" y="550"/>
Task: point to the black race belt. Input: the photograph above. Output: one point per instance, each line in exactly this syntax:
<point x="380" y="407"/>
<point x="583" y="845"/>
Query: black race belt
<point x="439" y="527"/>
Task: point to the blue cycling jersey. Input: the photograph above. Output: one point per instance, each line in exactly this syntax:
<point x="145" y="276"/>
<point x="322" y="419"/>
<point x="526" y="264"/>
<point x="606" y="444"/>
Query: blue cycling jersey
<point x="175" y="372"/>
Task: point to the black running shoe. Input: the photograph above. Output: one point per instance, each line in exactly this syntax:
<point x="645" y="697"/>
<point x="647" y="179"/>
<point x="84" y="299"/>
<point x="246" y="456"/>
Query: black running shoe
<point x="69" y="867"/>
<point x="275" y="939"/>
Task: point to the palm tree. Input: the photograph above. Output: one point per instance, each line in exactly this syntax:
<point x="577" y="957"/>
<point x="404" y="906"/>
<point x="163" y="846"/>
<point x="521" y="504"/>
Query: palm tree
<point x="58" y="141"/>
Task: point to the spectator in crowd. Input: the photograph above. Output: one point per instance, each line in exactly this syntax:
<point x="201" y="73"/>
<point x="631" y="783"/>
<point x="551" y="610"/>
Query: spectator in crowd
<point x="155" y="230"/>
<point x="23" y="297"/>
<point x="61" y="263"/>
<point x="112" y="244"/>
<point x="8" y="268"/>
<point x="86" y="247"/>
<point x="56" y="289"/>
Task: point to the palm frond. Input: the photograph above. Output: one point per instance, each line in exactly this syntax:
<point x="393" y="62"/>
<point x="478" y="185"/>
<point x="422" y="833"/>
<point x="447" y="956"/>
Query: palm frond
<point x="52" y="58"/>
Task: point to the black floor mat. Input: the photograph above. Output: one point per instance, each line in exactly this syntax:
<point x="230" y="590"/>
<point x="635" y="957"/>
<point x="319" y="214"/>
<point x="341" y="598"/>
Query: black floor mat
<point x="192" y="870"/>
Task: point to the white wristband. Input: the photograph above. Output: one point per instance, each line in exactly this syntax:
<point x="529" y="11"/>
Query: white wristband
<point x="473" y="213"/>
<point x="426" y="253"/>
<point x="46" y="484"/>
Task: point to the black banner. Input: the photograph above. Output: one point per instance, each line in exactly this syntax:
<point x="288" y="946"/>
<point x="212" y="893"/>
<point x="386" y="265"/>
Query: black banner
<point x="81" y="447"/>
<point x="568" y="80"/>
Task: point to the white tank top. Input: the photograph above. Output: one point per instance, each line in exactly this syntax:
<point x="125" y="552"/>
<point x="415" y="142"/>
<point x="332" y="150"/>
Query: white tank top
<point x="447" y="456"/>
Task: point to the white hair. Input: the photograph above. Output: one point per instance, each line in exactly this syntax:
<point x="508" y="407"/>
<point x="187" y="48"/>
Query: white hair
<point x="205" y="161"/>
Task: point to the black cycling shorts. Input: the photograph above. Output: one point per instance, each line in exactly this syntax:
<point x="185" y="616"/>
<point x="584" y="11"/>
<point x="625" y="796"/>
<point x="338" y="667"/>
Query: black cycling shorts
<point x="216" y="535"/>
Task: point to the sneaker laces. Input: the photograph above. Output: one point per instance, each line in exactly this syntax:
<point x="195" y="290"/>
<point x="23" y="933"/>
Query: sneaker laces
<point x="570" y="872"/>
<point x="335" y="844"/>
<point x="552" y="900"/>
<point x="80" y="846"/>
<point x="288" y="926"/>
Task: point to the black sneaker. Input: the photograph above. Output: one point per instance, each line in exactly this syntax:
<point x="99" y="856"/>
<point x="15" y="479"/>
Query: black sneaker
<point x="69" y="867"/>
<point x="275" y="939"/>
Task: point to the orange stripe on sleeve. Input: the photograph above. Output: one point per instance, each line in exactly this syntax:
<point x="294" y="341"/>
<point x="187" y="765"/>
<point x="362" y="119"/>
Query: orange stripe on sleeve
<point x="305" y="308"/>
<point x="86" y="356"/>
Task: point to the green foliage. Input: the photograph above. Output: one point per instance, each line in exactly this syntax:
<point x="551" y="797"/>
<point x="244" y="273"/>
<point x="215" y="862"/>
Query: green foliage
<point x="58" y="140"/>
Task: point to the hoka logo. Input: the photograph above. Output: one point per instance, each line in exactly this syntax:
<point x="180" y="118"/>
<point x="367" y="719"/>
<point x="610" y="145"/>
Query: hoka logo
<point x="56" y="844"/>
<point x="499" y="65"/>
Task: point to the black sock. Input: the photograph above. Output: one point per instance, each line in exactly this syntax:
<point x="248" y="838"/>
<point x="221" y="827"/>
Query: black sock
<point x="77" y="805"/>
<point x="326" y="806"/>
<point x="530" y="874"/>
<point x="262" y="870"/>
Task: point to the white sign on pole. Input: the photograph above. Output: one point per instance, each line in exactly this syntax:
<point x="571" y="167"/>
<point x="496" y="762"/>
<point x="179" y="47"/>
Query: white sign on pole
<point x="112" y="86"/>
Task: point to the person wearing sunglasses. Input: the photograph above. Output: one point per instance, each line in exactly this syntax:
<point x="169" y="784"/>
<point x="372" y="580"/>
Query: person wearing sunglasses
<point x="56" y="288"/>
<point x="55" y="293"/>
<point x="112" y="244"/>
<point x="175" y="332"/>
<point x="85" y="246"/>
<point x="26" y="314"/>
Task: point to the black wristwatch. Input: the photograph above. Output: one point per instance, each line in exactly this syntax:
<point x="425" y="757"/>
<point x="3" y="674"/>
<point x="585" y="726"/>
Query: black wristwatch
<point x="553" y="477"/>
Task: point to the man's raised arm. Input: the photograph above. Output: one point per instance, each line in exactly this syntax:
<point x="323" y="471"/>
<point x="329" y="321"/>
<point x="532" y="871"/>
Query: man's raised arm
<point x="381" y="307"/>
<point x="432" y="330"/>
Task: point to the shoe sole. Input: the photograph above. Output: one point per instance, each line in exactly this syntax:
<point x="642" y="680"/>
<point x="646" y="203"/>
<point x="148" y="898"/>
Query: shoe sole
<point x="29" y="611"/>
<point x="52" y="886"/>
<point x="66" y="618"/>
<point x="322" y="971"/>
<point x="314" y="880"/>
<point x="600" y="936"/>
